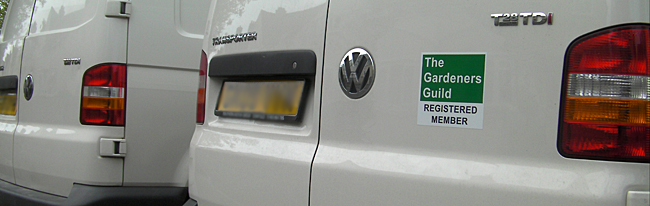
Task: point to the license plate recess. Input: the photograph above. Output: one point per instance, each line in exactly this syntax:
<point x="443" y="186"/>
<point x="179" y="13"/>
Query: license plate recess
<point x="277" y="100"/>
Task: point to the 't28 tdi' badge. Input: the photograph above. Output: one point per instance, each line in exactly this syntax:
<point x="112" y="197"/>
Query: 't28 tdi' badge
<point x="512" y="19"/>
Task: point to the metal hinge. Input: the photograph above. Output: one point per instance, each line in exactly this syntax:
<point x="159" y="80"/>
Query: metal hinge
<point x="118" y="8"/>
<point x="110" y="147"/>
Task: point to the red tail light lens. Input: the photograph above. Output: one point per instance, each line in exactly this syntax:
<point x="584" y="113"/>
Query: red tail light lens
<point x="103" y="95"/>
<point x="200" y="100"/>
<point x="605" y="113"/>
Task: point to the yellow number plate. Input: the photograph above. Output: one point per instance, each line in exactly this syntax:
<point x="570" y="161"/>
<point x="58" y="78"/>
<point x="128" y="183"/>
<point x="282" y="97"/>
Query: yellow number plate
<point x="273" y="99"/>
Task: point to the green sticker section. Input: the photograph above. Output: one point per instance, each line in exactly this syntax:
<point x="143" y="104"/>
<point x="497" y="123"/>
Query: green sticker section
<point x="453" y="78"/>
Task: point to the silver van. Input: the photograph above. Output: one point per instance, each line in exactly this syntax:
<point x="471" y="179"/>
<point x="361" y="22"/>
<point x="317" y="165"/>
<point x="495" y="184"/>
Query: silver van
<point x="392" y="102"/>
<point x="97" y="100"/>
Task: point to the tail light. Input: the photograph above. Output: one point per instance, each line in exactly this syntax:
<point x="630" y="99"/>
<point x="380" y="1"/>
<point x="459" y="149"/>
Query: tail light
<point x="200" y="100"/>
<point x="103" y="95"/>
<point x="605" y="113"/>
<point x="8" y="91"/>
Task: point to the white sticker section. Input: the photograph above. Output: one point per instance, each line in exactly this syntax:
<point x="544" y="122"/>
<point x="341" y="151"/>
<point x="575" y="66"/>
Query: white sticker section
<point x="450" y="114"/>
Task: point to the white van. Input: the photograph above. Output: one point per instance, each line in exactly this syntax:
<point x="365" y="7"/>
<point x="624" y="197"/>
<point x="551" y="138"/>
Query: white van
<point x="361" y="102"/>
<point x="98" y="100"/>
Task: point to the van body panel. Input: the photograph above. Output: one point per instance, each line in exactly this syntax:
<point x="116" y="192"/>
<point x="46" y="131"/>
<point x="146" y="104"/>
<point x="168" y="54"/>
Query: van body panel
<point x="11" y="51"/>
<point x="157" y="78"/>
<point x="11" y="65"/>
<point x="154" y="27"/>
<point x="7" y="128"/>
<point x="236" y="161"/>
<point x="16" y="27"/>
<point x="58" y="16"/>
<point x="372" y="151"/>
<point x="44" y="148"/>
<point x="52" y="150"/>
<point x="17" y="19"/>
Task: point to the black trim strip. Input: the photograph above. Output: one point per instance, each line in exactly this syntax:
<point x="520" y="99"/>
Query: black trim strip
<point x="273" y="63"/>
<point x="9" y="82"/>
<point x="11" y="194"/>
<point x="102" y="195"/>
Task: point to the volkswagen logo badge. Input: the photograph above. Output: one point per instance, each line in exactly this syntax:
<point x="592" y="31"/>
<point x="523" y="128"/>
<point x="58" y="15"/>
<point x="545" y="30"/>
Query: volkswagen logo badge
<point x="28" y="87"/>
<point x="356" y="73"/>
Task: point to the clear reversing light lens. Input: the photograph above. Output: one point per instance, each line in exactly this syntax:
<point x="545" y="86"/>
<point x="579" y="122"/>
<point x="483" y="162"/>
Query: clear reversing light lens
<point x="609" y="85"/>
<point x="605" y="112"/>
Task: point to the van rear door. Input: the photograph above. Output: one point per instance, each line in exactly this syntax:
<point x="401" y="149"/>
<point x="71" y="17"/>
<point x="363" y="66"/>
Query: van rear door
<point x="52" y="149"/>
<point x="161" y="88"/>
<point x="15" y="28"/>
<point x="464" y="107"/>
<point x="259" y="155"/>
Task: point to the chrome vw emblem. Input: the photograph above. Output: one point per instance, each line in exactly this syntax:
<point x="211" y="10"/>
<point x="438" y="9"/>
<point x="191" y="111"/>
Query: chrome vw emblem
<point x="28" y="87"/>
<point x="356" y="73"/>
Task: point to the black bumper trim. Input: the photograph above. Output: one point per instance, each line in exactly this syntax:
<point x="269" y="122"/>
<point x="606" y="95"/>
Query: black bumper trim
<point x="11" y="194"/>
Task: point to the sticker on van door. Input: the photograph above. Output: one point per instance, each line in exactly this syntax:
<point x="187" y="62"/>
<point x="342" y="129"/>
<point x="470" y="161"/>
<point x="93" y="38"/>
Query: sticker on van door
<point x="451" y="90"/>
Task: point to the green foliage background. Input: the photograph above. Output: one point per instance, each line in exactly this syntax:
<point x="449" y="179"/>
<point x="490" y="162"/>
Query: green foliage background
<point x="3" y="10"/>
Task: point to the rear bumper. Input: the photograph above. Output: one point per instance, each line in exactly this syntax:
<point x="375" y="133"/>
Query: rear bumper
<point x="11" y="194"/>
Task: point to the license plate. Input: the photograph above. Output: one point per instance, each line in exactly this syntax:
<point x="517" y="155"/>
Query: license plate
<point x="270" y="99"/>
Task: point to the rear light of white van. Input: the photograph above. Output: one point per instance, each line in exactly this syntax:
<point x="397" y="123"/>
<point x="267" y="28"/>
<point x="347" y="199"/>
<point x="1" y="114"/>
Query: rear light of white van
<point x="8" y="91"/>
<point x="103" y="95"/>
<point x="605" y="113"/>
<point x="200" y="100"/>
